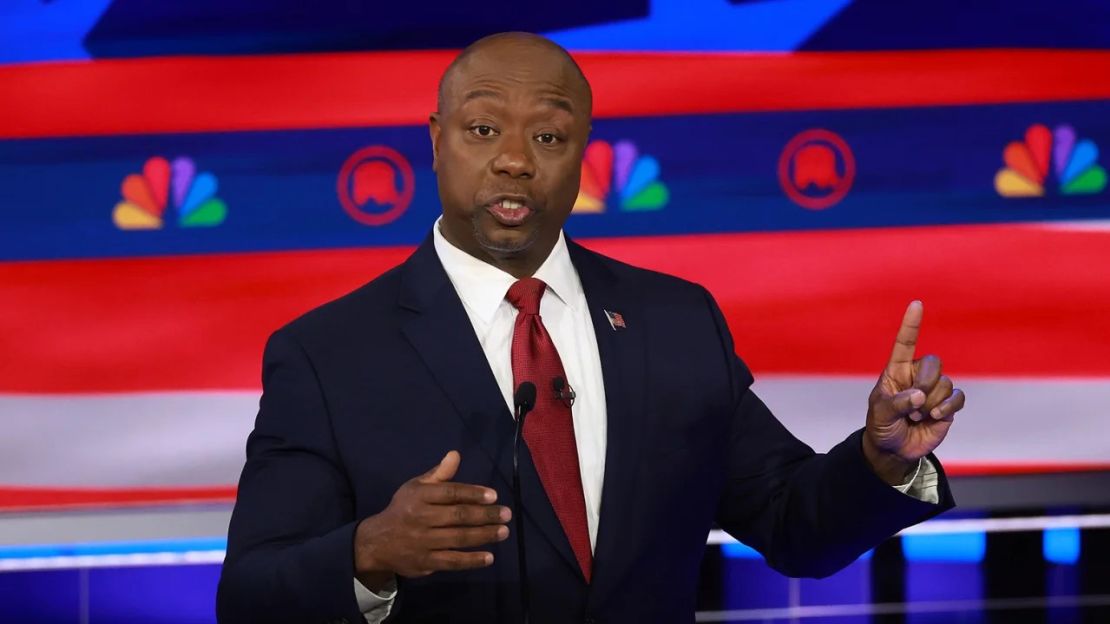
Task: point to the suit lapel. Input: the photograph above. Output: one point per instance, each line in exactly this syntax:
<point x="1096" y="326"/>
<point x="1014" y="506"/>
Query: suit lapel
<point x="623" y="363"/>
<point x="442" y="334"/>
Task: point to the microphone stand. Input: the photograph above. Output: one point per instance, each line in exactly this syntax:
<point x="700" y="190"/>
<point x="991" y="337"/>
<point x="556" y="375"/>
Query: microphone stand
<point x="525" y="399"/>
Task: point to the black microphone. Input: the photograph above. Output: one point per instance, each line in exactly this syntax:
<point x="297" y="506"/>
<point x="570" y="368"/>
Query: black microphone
<point x="523" y="401"/>
<point x="563" y="391"/>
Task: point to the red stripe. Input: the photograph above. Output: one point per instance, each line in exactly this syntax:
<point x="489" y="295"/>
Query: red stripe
<point x="799" y="302"/>
<point x="197" y="94"/>
<point x="1008" y="301"/>
<point x="973" y="469"/>
<point x="196" y="322"/>
<point x="29" y="499"/>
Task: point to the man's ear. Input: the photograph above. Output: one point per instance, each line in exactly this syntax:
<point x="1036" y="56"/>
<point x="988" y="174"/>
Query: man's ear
<point x="433" y="131"/>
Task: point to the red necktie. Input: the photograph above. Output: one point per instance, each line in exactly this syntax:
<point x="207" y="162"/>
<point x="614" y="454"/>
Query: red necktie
<point x="549" y="429"/>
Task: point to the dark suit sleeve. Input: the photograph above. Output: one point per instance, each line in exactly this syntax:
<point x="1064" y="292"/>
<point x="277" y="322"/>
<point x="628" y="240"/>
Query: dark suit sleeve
<point x="808" y="514"/>
<point x="290" y="544"/>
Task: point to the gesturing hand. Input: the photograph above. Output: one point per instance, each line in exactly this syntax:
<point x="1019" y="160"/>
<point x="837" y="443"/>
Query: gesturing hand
<point x="911" y="408"/>
<point x="427" y="522"/>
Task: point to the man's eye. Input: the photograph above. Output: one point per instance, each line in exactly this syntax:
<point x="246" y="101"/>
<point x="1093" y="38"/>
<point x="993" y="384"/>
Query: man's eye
<point x="483" y="131"/>
<point x="547" y="138"/>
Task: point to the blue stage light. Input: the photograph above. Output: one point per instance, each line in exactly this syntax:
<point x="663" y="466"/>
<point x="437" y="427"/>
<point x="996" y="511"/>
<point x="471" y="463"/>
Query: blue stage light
<point x="736" y="550"/>
<point x="968" y="547"/>
<point x="1061" y="545"/>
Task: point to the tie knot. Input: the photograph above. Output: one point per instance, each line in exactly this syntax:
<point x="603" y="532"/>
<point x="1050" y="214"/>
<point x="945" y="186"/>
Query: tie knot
<point x="525" y="295"/>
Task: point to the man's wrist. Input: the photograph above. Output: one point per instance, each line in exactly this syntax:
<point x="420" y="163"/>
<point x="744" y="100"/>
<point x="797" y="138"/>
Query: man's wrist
<point x="373" y="575"/>
<point x="890" y="467"/>
<point x="377" y="582"/>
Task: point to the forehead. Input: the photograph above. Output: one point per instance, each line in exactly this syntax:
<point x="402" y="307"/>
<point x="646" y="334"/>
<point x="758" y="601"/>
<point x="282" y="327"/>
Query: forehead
<point x="524" y="73"/>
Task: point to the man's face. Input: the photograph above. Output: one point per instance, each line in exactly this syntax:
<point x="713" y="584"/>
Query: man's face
<point x="508" y="146"/>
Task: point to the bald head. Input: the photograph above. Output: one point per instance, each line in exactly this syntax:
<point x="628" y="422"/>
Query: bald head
<point x="512" y="48"/>
<point x="507" y="145"/>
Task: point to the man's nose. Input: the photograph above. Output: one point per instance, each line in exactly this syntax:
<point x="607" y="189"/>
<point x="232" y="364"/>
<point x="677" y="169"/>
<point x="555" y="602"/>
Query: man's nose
<point x="515" y="159"/>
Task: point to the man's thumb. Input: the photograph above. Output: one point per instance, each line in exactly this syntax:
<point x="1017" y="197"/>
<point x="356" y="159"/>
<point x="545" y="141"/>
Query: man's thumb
<point x="445" y="470"/>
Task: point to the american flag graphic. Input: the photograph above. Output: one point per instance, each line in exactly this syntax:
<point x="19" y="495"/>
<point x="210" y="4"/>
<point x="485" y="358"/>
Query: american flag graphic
<point x="616" y="321"/>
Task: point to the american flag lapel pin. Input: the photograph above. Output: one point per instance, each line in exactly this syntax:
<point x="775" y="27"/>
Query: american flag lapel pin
<point x="616" y="321"/>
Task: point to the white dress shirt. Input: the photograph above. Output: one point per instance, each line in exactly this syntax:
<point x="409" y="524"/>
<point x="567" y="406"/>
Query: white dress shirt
<point x="482" y="288"/>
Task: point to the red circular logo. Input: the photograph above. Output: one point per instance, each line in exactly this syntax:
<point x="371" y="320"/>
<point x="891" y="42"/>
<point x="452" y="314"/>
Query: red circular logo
<point x="375" y="185"/>
<point x="816" y="169"/>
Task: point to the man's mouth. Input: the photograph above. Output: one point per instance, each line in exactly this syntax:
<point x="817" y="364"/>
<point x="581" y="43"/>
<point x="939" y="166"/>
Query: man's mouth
<point x="509" y="212"/>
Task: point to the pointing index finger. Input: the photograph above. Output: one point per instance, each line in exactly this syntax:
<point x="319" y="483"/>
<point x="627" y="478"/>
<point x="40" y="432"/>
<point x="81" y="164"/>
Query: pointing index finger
<point x="906" y="342"/>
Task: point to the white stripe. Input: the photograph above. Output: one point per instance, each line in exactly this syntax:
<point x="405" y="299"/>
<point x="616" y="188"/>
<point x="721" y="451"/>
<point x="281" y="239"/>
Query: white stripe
<point x="160" y="524"/>
<point x="121" y="440"/>
<point x="198" y="438"/>
<point x="1005" y="420"/>
<point x="978" y="525"/>
<point x="78" y="527"/>
<point x="198" y="557"/>
<point x="1009" y="525"/>
<point x="84" y="528"/>
<point x="1087" y="225"/>
<point x="889" y="608"/>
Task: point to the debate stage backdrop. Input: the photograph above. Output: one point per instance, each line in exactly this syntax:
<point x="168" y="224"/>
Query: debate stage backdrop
<point x="177" y="180"/>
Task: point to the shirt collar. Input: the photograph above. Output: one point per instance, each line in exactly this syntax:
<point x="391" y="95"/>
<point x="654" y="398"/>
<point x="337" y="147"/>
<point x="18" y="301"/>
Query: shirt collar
<point x="482" y="286"/>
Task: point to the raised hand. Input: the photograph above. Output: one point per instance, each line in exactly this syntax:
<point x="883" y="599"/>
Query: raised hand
<point x="911" y="408"/>
<point x="426" y="524"/>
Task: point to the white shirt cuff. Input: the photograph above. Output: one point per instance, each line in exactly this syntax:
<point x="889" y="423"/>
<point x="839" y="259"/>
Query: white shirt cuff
<point x="375" y="607"/>
<point x="923" y="484"/>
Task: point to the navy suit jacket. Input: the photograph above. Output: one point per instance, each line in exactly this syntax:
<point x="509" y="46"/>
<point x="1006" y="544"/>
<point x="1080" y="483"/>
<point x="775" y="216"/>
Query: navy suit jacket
<point x="370" y="390"/>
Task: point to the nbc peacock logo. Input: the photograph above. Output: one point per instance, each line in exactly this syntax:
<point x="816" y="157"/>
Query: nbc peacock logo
<point x="1029" y="164"/>
<point x="148" y="195"/>
<point x="621" y="168"/>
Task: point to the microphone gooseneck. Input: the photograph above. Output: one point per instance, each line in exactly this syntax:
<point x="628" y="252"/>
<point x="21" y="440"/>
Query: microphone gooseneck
<point x="524" y="399"/>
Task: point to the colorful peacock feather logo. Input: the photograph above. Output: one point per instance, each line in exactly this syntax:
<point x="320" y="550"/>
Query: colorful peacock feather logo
<point x="635" y="179"/>
<point x="147" y="195"/>
<point x="1074" y="163"/>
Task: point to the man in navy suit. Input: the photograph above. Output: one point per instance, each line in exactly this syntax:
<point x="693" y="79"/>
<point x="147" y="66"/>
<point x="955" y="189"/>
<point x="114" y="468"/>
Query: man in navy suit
<point x="380" y="465"/>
